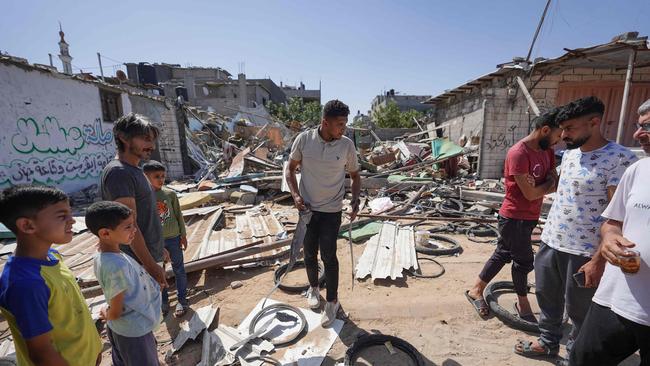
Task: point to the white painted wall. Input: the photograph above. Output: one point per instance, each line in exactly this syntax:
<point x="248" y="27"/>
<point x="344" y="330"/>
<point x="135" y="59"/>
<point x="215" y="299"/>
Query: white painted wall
<point x="52" y="130"/>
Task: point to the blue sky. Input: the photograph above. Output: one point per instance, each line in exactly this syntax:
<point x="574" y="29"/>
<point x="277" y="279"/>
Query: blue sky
<point x="357" y="48"/>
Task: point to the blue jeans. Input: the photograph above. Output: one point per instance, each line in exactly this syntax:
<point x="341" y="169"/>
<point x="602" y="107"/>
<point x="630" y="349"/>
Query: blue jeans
<point x="173" y="246"/>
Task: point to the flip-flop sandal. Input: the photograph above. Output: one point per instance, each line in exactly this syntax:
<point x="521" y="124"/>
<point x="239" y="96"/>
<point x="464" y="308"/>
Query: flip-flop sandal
<point x="165" y="309"/>
<point x="528" y="351"/>
<point x="528" y="317"/>
<point x="180" y="310"/>
<point x="561" y="362"/>
<point x="479" y="305"/>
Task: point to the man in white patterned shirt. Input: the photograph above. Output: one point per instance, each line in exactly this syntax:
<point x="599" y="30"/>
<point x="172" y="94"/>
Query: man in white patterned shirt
<point x="591" y="169"/>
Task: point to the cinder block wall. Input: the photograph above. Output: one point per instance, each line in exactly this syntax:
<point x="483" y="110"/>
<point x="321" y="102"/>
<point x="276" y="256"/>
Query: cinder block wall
<point x="464" y="115"/>
<point x="506" y="123"/>
<point x="169" y="141"/>
<point x="170" y="144"/>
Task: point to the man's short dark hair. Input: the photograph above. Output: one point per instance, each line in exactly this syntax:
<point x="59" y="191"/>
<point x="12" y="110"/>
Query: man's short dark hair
<point x="335" y="108"/>
<point x="132" y="125"/>
<point x="580" y="108"/>
<point x="153" y="166"/>
<point x="548" y="118"/>
<point x="27" y="201"/>
<point x="106" y="215"/>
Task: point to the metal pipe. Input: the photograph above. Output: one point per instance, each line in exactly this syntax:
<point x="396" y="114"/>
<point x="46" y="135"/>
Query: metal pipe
<point x="539" y="27"/>
<point x="480" y="145"/>
<point x="212" y="262"/>
<point x="427" y="218"/>
<point x="529" y="98"/>
<point x="626" y="92"/>
<point x="101" y="69"/>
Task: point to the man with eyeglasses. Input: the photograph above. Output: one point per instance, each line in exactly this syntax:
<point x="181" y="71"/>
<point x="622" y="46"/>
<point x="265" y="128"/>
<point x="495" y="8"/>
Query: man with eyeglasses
<point x="618" y="321"/>
<point x="642" y="134"/>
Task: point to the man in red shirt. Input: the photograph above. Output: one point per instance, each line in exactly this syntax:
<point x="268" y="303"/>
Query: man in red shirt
<point x="529" y="173"/>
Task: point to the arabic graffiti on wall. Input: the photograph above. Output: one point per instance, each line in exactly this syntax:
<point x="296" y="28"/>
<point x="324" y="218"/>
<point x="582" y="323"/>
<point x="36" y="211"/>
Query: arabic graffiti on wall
<point x="95" y="134"/>
<point x="46" y="137"/>
<point x="49" y="151"/>
<point x="502" y="140"/>
<point x="53" y="170"/>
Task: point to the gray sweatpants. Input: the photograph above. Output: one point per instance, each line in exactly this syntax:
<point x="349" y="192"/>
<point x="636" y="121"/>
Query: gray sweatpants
<point x="133" y="351"/>
<point x="555" y="288"/>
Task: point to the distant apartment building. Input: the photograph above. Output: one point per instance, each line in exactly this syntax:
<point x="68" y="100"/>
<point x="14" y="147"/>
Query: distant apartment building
<point x="213" y="88"/>
<point x="404" y="102"/>
<point x="299" y="91"/>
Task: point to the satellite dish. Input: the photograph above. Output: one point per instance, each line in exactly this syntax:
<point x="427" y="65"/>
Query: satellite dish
<point x="121" y="76"/>
<point x="206" y="92"/>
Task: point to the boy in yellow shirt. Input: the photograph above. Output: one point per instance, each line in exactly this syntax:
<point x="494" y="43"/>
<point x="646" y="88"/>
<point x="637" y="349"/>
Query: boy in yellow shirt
<point x="48" y="317"/>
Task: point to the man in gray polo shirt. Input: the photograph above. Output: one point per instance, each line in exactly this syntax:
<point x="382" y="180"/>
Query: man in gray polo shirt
<point x="123" y="181"/>
<point x="324" y="155"/>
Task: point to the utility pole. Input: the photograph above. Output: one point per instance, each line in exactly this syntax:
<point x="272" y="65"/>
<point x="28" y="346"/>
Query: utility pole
<point x="539" y="27"/>
<point x="101" y="69"/>
<point x="626" y="93"/>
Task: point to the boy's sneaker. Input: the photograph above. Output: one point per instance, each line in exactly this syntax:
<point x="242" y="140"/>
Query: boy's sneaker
<point x="329" y="315"/>
<point x="313" y="297"/>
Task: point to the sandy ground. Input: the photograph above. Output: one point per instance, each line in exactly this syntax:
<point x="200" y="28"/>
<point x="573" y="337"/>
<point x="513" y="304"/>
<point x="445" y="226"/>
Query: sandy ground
<point x="432" y="314"/>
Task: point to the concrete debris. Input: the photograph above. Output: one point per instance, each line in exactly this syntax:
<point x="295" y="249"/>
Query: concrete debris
<point x="381" y="204"/>
<point x="194" y="199"/>
<point x="238" y="212"/>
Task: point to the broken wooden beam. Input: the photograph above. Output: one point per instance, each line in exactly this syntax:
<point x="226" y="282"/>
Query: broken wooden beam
<point x="225" y="259"/>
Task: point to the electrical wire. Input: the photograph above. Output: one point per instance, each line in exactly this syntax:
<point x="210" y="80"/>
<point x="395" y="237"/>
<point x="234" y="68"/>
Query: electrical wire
<point x="112" y="59"/>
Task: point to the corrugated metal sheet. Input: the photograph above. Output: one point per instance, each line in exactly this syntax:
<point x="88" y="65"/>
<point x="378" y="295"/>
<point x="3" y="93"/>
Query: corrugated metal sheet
<point x="388" y="253"/>
<point x="611" y="93"/>
<point x="79" y="253"/>
<point x="254" y="225"/>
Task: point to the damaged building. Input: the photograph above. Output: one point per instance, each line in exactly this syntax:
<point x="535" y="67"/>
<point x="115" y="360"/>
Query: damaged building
<point x="58" y="127"/>
<point x="213" y="88"/>
<point x="493" y="111"/>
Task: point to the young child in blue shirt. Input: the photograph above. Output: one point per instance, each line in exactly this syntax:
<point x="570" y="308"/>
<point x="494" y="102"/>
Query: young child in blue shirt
<point x="39" y="296"/>
<point x="133" y="296"/>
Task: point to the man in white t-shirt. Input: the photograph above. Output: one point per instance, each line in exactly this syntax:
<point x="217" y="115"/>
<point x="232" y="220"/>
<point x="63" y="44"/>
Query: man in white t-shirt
<point x="591" y="169"/>
<point x="618" y="321"/>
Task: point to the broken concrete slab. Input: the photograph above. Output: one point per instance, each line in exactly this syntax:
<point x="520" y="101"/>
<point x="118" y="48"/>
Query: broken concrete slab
<point x="194" y="199"/>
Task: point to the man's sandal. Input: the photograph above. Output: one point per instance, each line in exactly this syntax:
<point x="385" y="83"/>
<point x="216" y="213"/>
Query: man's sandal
<point x="479" y="305"/>
<point x="526" y="350"/>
